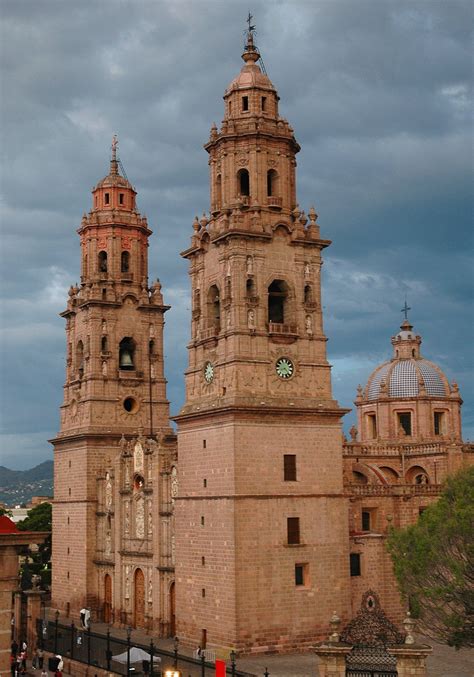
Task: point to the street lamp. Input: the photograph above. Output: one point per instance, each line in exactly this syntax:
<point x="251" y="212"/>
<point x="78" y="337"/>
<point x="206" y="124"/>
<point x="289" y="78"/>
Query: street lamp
<point x="129" y="634"/>
<point x="172" y="673"/>
<point x="176" y="646"/>
<point x="233" y="656"/>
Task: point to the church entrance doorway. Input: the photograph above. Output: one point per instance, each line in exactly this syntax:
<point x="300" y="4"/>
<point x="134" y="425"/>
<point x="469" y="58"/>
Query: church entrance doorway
<point x="139" y="599"/>
<point x="107" y="599"/>
<point x="172" y="611"/>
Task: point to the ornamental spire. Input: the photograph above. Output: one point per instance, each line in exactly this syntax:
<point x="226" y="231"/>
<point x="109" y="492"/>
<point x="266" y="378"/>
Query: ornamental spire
<point x="113" y="159"/>
<point x="251" y="53"/>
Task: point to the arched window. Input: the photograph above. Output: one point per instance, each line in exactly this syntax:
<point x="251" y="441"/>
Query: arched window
<point x="277" y="297"/>
<point x="218" y="191"/>
<point x="103" y="344"/>
<point x="250" y="288"/>
<point x="102" y="262"/>
<point x="151" y="347"/>
<point x="243" y="182"/>
<point x="214" y="307"/>
<point x="125" y="262"/>
<point x="272" y="182"/>
<point x="127" y="353"/>
<point x="308" y="294"/>
<point x="80" y="358"/>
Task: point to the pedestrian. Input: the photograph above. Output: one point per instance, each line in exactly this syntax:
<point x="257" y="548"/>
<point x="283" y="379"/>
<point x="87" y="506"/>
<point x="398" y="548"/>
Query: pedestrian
<point x="13" y="665"/>
<point x="60" y="667"/>
<point x="23" y="663"/>
<point x="40" y="654"/>
<point x="14" y="648"/>
<point x="44" y="673"/>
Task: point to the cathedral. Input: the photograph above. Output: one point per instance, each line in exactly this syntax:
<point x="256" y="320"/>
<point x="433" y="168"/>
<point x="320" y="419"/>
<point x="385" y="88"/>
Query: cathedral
<point x="252" y="520"/>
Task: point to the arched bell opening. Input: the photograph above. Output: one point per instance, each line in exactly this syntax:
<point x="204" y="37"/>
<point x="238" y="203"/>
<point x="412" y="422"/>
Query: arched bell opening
<point x="102" y="262"/>
<point x="243" y="182"/>
<point x="127" y="354"/>
<point x="218" y="200"/>
<point x="278" y="302"/>
<point x="125" y="262"/>
<point x="214" y="307"/>
<point x="272" y="183"/>
<point x="80" y="358"/>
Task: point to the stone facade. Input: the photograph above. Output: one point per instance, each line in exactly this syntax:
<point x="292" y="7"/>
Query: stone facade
<point x="407" y="441"/>
<point x="278" y="519"/>
<point x="259" y="434"/>
<point x="115" y="452"/>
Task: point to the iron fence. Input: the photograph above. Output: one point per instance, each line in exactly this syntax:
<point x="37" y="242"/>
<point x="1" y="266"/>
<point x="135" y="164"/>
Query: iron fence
<point x="96" y="649"/>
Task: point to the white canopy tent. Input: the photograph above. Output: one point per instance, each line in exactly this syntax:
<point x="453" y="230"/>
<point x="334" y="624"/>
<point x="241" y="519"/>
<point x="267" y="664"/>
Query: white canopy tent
<point x="136" y="656"/>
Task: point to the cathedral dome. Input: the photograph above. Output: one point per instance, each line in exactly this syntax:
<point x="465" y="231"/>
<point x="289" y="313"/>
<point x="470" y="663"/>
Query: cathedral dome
<point x="407" y="378"/>
<point x="251" y="75"/>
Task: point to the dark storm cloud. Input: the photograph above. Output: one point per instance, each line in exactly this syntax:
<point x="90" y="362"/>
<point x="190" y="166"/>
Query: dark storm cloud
<point x="379" y="96"/>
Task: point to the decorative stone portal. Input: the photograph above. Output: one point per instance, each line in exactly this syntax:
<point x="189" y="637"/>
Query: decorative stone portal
<point x="371" y="646"/>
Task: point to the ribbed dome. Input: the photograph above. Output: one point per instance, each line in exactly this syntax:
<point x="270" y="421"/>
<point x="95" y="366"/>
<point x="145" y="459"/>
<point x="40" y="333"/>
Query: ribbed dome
<point x="250" y="76"/>
<point x="113" y="178"/>
<point x="405" y="377"/>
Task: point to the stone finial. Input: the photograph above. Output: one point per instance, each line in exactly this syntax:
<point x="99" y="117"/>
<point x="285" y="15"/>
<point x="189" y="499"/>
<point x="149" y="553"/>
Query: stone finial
<point x="303" y="219"/>
<point x="409" y="626"/>
<point x="196" y="224"/>
<point x="334" y="623"/>
<point x="353" y="433"/>
<point x="213" y="133"/>
<point x="296" y="212"/>
<point x="360" y="392"/>
<point x="312" y="215"/>
<point x="204" y="221"/>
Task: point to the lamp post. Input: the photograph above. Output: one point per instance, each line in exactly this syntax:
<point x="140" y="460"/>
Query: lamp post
<point x="232" y="662"/>
<point x="129" y="635"/>
<point x="108" y="653"/>
<point x="152" y="654"/>
<point x="176" y="646"/>
<point x="56" y="621"/>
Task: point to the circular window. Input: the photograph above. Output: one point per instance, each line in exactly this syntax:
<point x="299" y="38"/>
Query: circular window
<point x="130" y="405"/>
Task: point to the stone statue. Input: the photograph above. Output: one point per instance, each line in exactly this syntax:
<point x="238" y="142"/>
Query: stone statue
<point x="140" y="518"/>
<point x="249" y="265"/>
<point x="307" y="270"/>
<point x="353" y="434"/>
<point x="108" y="491"/>
<point x="251" y="319"/>
<point x="309" y="325"/>
<point x="104" y="368"/>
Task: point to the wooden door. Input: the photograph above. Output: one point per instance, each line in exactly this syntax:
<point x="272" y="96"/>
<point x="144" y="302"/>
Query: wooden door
<point x="139" y="599"/>
<point x="107" y="599"/>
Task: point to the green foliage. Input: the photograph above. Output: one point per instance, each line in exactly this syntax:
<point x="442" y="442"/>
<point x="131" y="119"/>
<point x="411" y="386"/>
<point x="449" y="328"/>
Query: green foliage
<point x="434" y="563"/>
<point x="39" y="518"/>
<point x="5" y="511"/>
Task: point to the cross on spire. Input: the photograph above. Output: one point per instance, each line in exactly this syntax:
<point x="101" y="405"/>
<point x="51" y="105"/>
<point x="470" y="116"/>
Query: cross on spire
<point x="405" y="309"/>
<point x="114" y="147"/>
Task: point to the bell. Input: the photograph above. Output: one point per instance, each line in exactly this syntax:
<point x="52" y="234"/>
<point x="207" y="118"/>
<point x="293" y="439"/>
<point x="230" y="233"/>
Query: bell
<point x="126" y="361"/>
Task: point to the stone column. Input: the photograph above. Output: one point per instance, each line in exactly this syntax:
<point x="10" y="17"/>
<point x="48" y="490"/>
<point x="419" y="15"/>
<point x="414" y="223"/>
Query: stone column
<point x="332" y="658"/>
<point x="411" y="659"/>
<point x="17" y="613"/>
<point x="33" y="612"/>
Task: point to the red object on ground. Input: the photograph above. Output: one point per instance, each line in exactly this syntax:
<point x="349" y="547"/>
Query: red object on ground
<point x="220" y="668"/>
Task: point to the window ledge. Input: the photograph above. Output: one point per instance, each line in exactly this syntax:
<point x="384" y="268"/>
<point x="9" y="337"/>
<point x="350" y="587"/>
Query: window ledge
<point x="294" y="545"/>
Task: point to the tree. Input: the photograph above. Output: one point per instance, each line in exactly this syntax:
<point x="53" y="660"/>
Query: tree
<point x="434" y="563"/>
<point x="37" y="561"/>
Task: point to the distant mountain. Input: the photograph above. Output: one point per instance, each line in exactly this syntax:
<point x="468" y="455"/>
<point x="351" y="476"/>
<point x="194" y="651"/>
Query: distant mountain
<point x="19" y="486"/>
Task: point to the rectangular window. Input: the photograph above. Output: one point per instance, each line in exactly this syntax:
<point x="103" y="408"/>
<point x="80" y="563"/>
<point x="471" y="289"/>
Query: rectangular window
<point x="245" y="103"/>
<point x="438" y="423"/>
<point x="301" y="574"/>
<point x="366" y="520"/>
<point x="204" y="482"/>
<point x="293" y="530"/>
<point x="230" y="107"/>
<point x="404" y="422"/>
<point x="372" y="425"/>
<point x="107" y="198"/>
<point x="121" y="196"/>
<point x="264" y="102"/>
<point x="202" y="520"/>
<point x="355" y="564"/>
<point x="289" y="467"/>
<point x="203" y="592"/>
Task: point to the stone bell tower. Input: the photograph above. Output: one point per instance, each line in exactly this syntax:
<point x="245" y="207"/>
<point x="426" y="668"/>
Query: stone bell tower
<point x="261" y="543"/>
<point x="115" y="390"/>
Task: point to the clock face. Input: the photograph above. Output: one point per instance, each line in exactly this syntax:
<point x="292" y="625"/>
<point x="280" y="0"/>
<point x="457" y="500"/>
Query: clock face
<point x="284" y="367"/>
<point x="208" y="372"/>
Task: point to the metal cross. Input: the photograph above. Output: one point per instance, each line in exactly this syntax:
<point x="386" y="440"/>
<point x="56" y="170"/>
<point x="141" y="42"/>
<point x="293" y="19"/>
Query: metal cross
<point x="249" y="21"/>
<point x="405" y="309"/>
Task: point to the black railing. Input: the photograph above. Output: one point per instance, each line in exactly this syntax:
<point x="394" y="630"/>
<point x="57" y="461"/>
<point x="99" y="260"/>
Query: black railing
<point x="96" y="649"/>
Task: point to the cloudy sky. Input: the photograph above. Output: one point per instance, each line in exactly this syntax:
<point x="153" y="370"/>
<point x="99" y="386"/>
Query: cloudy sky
<point x="378" y="93"/>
